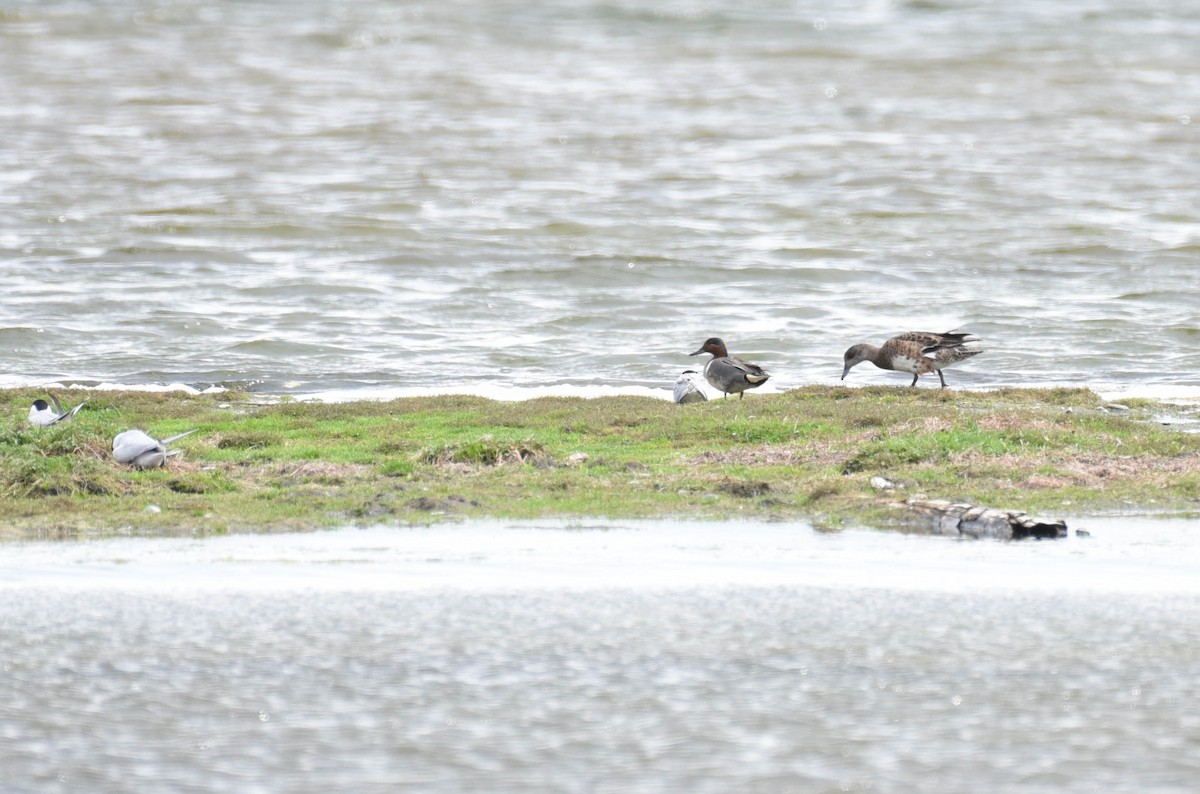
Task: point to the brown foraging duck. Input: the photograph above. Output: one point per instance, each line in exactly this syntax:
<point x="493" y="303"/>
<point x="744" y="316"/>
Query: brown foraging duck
<point x="918" y="352"/>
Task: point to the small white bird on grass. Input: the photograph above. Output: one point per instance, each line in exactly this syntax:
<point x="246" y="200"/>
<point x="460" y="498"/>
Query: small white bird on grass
<point x="142" y="450"/>
<point x="41" y="414"/>
<point x="688" y="388"/>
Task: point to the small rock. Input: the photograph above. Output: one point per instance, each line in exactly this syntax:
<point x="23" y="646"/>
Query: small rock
<point x="1082" y="533"/>
<point x="1115" y="408"/>
<point x="577" y="458"/>
<point x="152" y="509"/>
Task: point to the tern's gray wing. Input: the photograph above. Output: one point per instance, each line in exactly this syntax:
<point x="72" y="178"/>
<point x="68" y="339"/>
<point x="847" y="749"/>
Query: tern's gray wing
<point x="137" y="447"/>
<point x="57" y="405"/>
<point x="682" y="387"/>
<point x="62" y="417"/>
<point x="71" y="412"/>
<point x="687" y="390"/>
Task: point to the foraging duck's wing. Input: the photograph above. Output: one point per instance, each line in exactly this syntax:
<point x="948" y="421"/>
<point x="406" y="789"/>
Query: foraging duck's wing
<point x="922" y="338"/>
<point x="929" y="342"/>
<point x="956" y="338"/>
<point x="945" y="356"/>
<point x="930" y="339"/>
<point x="132" y="445"/>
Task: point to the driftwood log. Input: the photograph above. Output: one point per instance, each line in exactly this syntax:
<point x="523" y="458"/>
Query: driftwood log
<point x="940" y="517"/>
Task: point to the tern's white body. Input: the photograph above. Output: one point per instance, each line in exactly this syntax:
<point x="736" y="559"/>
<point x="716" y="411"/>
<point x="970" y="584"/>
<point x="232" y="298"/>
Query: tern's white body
<point x="42" y="414"/>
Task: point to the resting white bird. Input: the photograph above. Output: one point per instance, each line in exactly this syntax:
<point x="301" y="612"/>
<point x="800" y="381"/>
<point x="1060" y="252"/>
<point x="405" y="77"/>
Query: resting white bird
<point x="688" y="388"/>
<point x="42" y="415"/>
<point x="142" y="450"/>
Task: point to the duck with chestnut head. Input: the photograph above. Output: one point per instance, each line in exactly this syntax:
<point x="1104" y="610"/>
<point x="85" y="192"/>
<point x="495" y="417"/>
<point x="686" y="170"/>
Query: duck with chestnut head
<point x="727" y="374"/>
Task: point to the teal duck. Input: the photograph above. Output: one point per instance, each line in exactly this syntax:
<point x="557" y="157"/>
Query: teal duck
<point x="727" y="374"/>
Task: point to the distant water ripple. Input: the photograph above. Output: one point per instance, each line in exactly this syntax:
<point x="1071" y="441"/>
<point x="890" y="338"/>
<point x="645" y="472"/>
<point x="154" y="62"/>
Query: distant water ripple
<point x="297" y="197"/>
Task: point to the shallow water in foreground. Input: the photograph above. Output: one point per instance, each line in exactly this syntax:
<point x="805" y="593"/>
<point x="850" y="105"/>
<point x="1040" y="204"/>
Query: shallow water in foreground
<point x="603" y="657"/>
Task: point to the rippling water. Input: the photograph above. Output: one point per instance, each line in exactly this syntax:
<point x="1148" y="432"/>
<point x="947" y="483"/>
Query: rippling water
<point x="465" y="195"/>
<point x="602" y="657"/>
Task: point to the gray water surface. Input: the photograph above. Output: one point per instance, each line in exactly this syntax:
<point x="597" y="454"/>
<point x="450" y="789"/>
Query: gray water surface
<point x="595" y="657"/>
<point x="302" y="196"/>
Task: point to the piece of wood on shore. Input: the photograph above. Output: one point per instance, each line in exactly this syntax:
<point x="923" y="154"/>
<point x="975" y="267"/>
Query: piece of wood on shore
<point x="956" y="519"/>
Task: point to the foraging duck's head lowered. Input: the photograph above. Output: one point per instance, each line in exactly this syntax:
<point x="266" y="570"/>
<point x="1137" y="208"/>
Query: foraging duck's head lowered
<point x="857" y="355"/>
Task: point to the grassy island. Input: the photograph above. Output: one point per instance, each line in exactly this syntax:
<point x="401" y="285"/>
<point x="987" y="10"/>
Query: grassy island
<point x="817" y="452"/>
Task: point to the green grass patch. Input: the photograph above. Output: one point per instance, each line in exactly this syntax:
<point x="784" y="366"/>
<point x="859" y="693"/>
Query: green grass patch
<point x="810" y="452"/>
